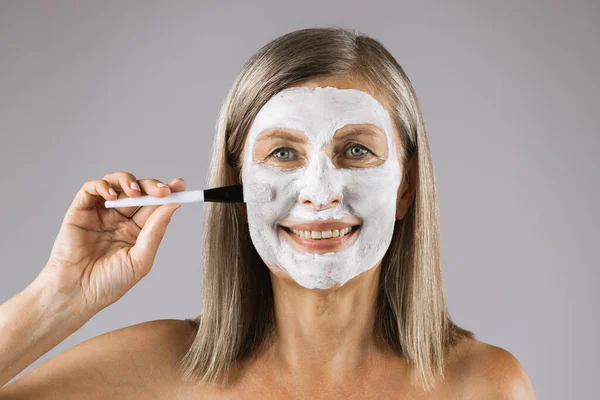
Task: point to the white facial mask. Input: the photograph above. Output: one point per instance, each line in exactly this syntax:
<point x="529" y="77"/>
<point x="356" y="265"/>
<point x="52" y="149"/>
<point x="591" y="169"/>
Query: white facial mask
<point x="367" y="193"/>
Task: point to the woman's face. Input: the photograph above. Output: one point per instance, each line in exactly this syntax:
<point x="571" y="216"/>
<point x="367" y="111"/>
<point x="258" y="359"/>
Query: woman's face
<point x="330" y="157"/>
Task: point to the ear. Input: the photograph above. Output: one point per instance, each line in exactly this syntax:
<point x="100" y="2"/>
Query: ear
<point x="408" y="187"/>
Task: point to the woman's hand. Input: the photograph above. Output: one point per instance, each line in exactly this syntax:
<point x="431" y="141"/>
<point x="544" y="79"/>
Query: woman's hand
<point x="99" y="253"/>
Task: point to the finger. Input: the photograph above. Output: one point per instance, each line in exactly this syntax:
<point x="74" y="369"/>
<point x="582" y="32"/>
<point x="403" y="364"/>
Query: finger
<point x="121" y="182"/>
<point x="128" y="186"/>
<point x="125" y="184"/>
<point x="146" y="246"/>
<point x="150" y="187"/>
<point x="140" y="217"/>
<point x="91" y="193"/>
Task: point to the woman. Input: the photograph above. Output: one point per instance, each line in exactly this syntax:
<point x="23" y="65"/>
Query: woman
<point x="333" y="289"/>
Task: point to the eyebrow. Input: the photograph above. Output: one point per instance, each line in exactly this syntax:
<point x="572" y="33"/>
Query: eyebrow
<point x="357" y="130"/>
<point x="276" y="133"/>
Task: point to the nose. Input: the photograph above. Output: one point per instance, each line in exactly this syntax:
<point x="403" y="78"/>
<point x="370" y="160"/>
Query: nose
<point x="316" y="205"/>
<point x="322" y="185"/>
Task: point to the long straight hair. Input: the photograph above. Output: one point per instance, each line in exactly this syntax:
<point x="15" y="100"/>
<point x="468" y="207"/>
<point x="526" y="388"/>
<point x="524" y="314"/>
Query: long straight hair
<point x="237" y="317"/>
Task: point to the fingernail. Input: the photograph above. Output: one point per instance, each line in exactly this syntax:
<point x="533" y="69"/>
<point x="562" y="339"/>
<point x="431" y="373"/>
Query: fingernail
<point x="112" y="191"/>
<point x="175" y="180"/>
<point x="134" y="185"/>
<point x="160" y="184"/>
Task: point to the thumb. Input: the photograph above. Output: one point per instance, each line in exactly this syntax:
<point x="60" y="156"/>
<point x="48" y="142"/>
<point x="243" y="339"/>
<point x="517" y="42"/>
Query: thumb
<point x="146" y="246"/>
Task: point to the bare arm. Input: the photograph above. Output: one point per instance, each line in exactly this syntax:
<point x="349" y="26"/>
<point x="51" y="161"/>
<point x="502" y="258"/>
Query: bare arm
<point x="33" y="322"/>
<point x="97" y="256"/>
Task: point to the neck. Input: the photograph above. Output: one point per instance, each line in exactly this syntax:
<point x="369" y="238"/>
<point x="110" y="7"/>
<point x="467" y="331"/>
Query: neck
<point x="325" y="332"/>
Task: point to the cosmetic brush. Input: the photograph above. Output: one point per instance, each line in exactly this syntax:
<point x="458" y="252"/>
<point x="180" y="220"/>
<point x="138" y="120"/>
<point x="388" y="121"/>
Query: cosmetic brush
<point x="255" y="193"/>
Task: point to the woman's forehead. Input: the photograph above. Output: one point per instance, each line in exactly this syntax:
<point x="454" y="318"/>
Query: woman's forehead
<point x="321" y="100"/>
<point x="319" y="112"/>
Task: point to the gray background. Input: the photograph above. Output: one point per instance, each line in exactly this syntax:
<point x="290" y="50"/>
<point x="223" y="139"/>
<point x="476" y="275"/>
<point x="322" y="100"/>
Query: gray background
<point x="509" y="90"/>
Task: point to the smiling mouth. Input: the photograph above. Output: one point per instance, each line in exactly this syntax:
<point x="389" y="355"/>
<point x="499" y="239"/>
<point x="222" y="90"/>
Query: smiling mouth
<point x="322" y="241"/>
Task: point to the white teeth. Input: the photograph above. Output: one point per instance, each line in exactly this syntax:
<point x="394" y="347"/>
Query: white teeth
<point x="322" y="234"/>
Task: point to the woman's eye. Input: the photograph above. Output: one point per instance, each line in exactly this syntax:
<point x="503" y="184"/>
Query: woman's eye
<point x="283" y="154"/>
<point x="356" y="151"/>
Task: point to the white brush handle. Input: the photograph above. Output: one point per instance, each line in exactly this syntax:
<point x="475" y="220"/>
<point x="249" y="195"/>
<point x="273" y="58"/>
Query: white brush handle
<point x="190" y="196"/>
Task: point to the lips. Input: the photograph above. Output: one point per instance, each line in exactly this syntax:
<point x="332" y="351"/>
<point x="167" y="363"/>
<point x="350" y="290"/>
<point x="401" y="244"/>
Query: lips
<point x="319" y="238"/>
<point x="321" y="226"/>
<point x="321" y="234"/>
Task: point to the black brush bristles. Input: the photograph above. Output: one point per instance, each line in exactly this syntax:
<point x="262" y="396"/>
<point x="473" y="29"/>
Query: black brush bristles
<point x="225" y="194"/>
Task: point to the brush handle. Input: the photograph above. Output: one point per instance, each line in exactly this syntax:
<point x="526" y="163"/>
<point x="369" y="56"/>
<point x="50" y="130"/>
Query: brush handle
<point x="190" y="196"/>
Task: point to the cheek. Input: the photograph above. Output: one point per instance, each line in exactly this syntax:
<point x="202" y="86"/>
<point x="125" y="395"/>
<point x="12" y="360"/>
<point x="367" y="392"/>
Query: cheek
<point x="371" y="191"/>
<point x="284" y="195"/>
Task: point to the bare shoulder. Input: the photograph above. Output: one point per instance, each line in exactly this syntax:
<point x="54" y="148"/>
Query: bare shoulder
<point x="137" y="361"/>
<point x="486" y="371"/>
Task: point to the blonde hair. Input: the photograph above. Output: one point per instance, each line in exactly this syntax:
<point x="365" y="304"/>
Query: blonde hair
<point x="237" y="316"/>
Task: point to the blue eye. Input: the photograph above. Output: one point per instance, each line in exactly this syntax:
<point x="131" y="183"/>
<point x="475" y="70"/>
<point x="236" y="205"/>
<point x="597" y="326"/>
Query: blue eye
<point x="356" y="150"/>
<point x="283" y="153"/>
